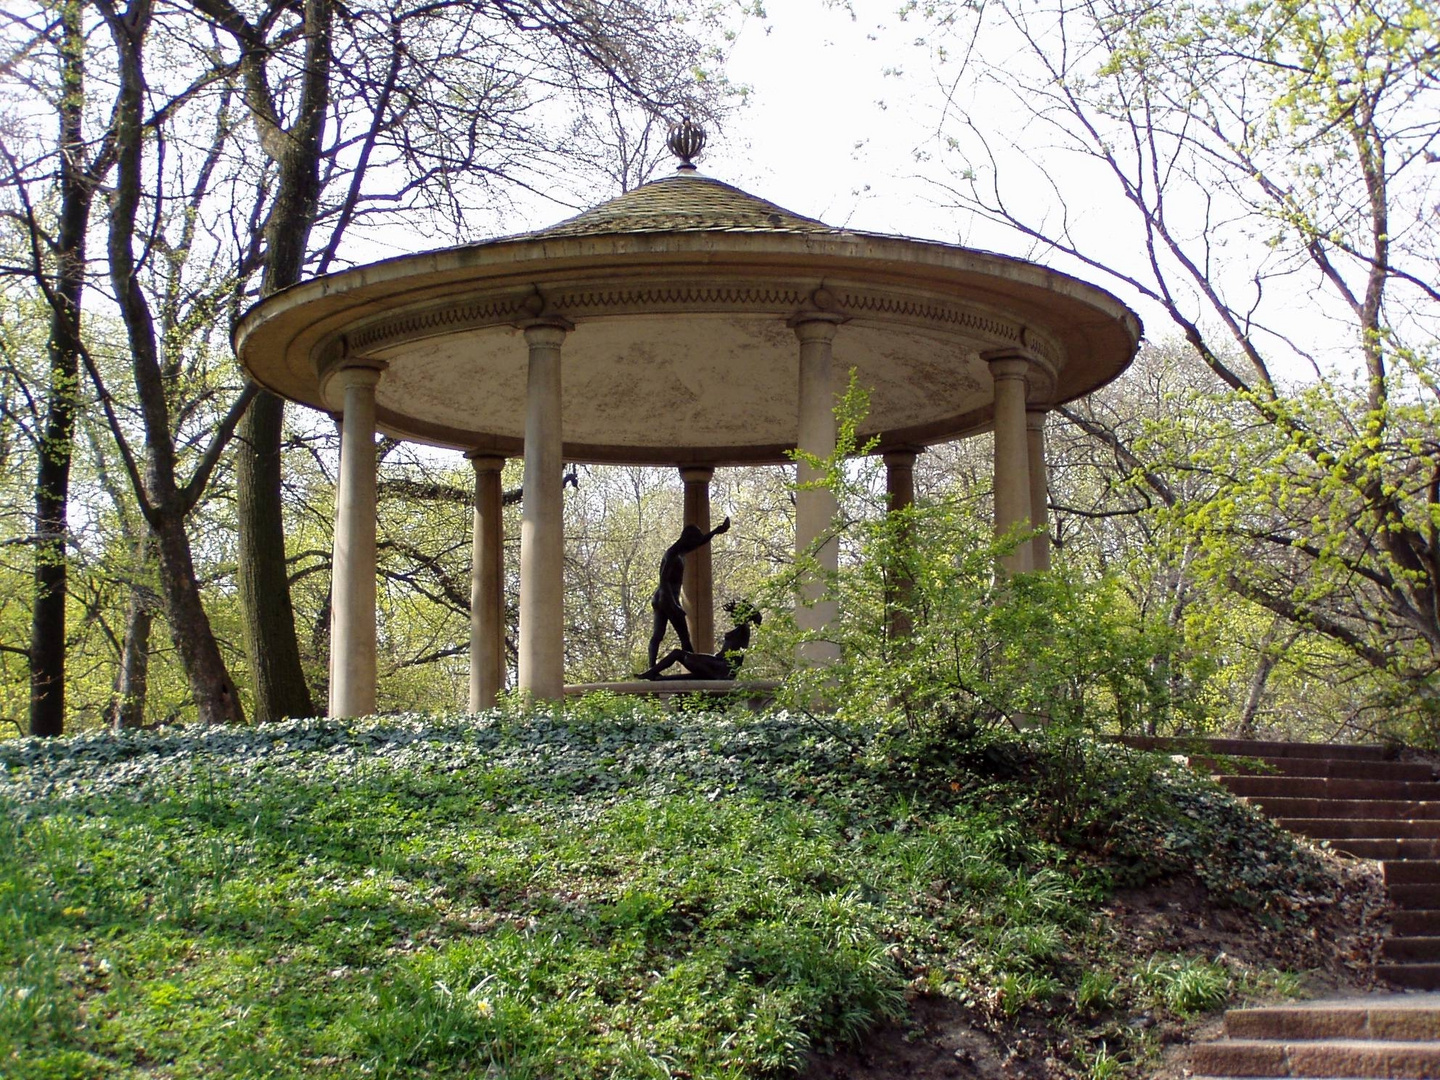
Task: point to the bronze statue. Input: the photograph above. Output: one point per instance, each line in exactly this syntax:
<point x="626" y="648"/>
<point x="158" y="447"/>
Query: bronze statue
<point x="666" y="601"/>
<point x="724" y="664"/>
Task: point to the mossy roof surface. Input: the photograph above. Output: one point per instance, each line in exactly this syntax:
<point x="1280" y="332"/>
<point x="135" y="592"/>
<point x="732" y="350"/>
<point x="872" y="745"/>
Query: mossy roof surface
<point x="684" y="202"/>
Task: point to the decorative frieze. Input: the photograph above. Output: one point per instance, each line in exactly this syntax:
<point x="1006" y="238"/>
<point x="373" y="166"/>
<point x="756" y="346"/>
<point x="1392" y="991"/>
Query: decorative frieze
<point x="439" y="320"/>
<point x="786" y="301"/>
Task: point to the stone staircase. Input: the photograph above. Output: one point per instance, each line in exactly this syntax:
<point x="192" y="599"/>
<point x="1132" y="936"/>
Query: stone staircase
<point x="1395" y="1036"/>
<point x="1362" y="803"/>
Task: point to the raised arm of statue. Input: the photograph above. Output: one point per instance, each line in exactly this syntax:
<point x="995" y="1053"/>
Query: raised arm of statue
<point x="692" y="539"/>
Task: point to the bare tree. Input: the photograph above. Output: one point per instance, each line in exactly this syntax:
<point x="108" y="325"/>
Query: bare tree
<point x="241" y="145"/>
<point x="165" y="501"/>
<point x="1258" y="162"/>
<point x="73" y="167"/>
<point x="443" y="103"/>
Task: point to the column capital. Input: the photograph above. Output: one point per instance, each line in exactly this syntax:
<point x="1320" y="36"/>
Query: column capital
<point x="815" y="325"/>
<point x="900" y="456"/>
<point x="348" y="372"/>
<point x="1014" y="362"/>
<point x="485" y="461"/>
<point x="696" y="474"/>
<point x="1009" y="364"/>
<point x="361" y="367"/>
<point x="547" y="331"/>
<point x="1035" y="416"/>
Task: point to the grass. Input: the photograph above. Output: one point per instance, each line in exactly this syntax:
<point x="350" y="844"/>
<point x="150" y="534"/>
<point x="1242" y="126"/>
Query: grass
<point x="607" y="893"/>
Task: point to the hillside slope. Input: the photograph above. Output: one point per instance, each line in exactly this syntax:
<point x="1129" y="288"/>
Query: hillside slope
<point x="629" y="893"/>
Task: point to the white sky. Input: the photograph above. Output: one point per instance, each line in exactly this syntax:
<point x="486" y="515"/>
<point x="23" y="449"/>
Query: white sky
<point x="827" y="133"/>
<point x="841" y="125"/>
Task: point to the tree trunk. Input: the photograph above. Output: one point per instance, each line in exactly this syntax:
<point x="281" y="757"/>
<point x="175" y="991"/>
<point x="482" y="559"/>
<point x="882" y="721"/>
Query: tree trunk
<point x="267" y="611"/>
<point x="52" y="480"/>
<point x="127" y="708"/>
<point x="52" y="496"/>
<point x="210" y="684"/>
<point x="1255" y="692"/>
<point x="133" y="684"/>
<point x="268" y="616"/>
<point x="163" y="502"/>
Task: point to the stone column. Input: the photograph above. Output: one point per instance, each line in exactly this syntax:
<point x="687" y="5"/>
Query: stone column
<point x="699" y="582"/>
<point x="1039" y="489"/>
<point x="815" y="510"/>
<point x="1012" y="457"/>
<point x="900" y="495"/>
<point x="487" y="586"/>
<point x="542" y="536"/>
<point x="352" y="602"/>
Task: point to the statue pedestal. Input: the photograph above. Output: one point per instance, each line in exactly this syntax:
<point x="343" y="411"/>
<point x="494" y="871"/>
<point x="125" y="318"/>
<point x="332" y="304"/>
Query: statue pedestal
<point x="757" y="693"/>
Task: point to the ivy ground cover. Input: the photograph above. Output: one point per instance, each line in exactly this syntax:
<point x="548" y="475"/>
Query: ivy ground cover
<point x="605" y="893"/>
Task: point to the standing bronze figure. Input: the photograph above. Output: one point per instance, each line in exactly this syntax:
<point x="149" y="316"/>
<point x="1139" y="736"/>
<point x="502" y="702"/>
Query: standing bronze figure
<point x="666" y="601"/>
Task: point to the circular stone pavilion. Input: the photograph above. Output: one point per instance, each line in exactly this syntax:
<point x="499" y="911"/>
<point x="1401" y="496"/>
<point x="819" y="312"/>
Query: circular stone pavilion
<point x="685" y="323"/>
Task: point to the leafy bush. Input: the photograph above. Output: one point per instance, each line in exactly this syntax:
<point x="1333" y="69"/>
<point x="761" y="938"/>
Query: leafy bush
<point x="982" y="649"/>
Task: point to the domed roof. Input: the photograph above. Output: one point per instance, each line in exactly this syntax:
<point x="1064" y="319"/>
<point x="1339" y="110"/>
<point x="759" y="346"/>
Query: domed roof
<point x="679" y="298"/>
<point x="684" y="202"/>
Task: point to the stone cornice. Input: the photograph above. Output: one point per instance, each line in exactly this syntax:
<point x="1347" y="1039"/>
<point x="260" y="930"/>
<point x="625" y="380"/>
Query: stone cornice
<point x="783" y="301"/>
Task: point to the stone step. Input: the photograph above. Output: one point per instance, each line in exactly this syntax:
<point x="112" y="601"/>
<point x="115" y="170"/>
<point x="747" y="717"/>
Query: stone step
<point x="1389" y="809"/>
<point x="1411" y="950"/>
<point x="1326" y="768"/>
<point x="1422" y="922"/>
<point x="1274" y="1058"/>
<point x="1423" y="895"/>
<point x="1411" y="871"/>
<point x="1361" y="828"/>
<point x="1321" y="788"/>
<point x="1256" y="748"/>
<point x="1387" y="849"/>
<point x="1417" y="976"/>
<point x="1387" y="1017"/>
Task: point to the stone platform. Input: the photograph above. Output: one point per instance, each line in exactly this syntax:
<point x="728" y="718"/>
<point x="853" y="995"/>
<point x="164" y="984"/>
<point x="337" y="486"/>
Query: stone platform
<point x="755" y="692"/>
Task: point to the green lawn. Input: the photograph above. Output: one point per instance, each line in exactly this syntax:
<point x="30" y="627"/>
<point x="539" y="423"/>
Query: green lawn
<point x="610" y="893"/>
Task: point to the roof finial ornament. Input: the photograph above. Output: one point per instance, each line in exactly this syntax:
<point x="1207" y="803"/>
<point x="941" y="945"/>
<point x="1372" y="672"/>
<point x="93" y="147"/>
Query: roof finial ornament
<point x="686" y="141"/>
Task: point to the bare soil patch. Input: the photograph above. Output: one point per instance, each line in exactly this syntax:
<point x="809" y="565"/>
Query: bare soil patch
<point x="1333" y="946"/>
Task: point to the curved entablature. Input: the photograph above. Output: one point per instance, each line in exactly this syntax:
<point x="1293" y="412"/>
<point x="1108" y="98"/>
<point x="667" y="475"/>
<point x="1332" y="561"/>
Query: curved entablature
<point x="680" y="349"/>
<point x="699" y="297"/>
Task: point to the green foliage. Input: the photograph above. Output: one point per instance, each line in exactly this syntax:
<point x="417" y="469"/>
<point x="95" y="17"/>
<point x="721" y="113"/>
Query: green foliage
<point x="1185" y="985"/>
<point x="1100" y="1064"/>
<point x="613" y="891"/>
<point x="1098" y="992"/>
<point x="983" y="648"/>
<point x="1275" y="162"/>
<point x="1310" y="492"/>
